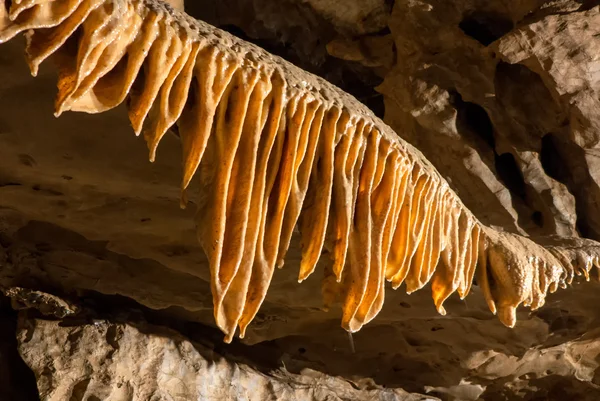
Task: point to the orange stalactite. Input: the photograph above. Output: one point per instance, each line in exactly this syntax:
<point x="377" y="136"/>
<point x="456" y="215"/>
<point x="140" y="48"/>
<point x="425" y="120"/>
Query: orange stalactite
<point x="277" y="148"/>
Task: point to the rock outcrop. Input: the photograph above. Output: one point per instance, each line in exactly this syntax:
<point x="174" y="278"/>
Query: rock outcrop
<point x="100" y="360"/>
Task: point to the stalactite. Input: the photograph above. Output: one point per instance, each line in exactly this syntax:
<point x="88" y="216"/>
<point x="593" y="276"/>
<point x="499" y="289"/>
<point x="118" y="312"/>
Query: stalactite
<point x="277" y="148"/>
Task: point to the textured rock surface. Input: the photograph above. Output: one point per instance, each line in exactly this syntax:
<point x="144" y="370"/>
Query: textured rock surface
<point x="102" y="361"/>
<point x="508" y="117"/>
<point x="98" y="353"/>
<point x="83" y="213"/>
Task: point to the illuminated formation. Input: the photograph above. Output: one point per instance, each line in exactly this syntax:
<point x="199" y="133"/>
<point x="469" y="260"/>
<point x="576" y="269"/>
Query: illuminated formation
<point x="277" y="148"/>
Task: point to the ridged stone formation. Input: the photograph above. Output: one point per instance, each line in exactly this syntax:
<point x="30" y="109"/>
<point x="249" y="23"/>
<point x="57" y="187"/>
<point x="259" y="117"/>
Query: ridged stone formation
<point x="277" y="148"/>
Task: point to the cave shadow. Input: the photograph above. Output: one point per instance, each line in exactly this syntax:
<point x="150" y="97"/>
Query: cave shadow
<point x="17" y="381"/>
<point x="474" y="124"/>
<point x="485" y="27"/>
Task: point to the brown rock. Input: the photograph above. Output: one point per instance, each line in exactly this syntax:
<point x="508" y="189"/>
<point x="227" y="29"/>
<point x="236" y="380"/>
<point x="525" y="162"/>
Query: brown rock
<point x="478" y="102"/>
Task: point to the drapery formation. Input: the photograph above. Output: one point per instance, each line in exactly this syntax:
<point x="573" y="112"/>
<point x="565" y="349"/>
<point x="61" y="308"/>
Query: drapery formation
<point x="277" y="148"/>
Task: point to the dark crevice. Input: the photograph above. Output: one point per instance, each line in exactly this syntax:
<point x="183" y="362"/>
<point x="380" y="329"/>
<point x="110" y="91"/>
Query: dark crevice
<point x="474" y="123"/>
<point x="587" y="5"/>
<point x="281" y="49"/>
<point x="9" y="184"/>
<point x="485" y="27"/>
<point x="71" y="46"/>
<point x="298" y="34"/>
<point x="232" y="102"/>
<point x="357" y="80"/>
<point x="175" y="130"/>
<point x="383" y="32"/>
<point x="79" y="390"/>
<point x="192" y="93"/>
<point x="583" y="227"/>
<point x="556" y="166"/>
<point x="17" y="381"/>
<point x="490" y="278"/>
<point x="530" y="106"/>
<point x="112" y="337"/>
<point x="538" y="218"/>
<point x="551" y="159"/>
<point x="473" y="120"/>
<point x="360" y="82"/>
<point x="236" y="31"/>
<point x="510" y="174"/>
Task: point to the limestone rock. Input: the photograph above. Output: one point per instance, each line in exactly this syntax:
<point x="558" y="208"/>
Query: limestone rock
<point x="357" y="17"/>
<point x="123" y="362"/>
<point x="476" y="98"/>
<point x="116" y="353"/>
<point x="48" y="305"/>
<point x="562" y="64"/>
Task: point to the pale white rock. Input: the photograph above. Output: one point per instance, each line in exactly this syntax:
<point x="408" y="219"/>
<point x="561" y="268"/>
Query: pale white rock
<point x="121" y="362"/>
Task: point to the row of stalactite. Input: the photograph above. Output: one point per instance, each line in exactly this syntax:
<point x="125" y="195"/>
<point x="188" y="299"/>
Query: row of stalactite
<point x="276" y="148"/>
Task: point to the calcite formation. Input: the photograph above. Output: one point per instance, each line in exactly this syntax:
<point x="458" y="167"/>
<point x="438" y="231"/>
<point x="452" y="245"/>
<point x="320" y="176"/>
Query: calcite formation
<point x="276" y="148"/>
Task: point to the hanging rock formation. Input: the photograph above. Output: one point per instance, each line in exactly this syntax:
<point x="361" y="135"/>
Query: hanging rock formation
<point x="275" y="148"/>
